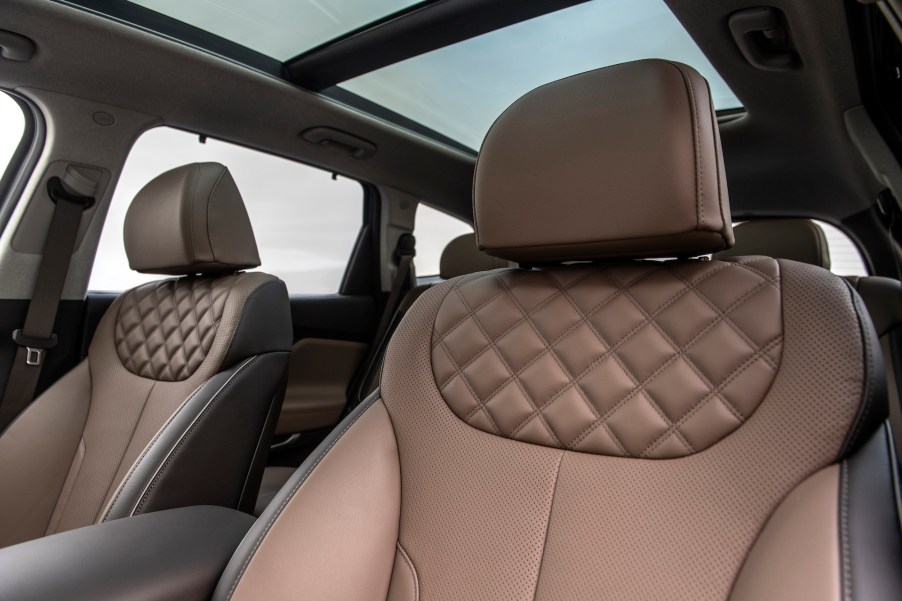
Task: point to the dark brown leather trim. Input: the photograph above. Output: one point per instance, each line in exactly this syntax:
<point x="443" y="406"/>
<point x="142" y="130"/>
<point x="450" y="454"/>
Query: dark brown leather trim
<point x="869" y="522"/>
<point x="874" y="407"/>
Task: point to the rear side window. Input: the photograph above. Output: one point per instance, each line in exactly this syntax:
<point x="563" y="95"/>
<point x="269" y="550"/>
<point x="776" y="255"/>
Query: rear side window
<point x="434" y="230"/>
<point x="12" y="128"/>
<point x="306" y="222"/>
<point x="845" y="258"/>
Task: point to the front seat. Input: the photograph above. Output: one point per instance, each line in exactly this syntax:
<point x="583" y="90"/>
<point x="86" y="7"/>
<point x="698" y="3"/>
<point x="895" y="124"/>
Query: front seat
<point x="175" y="403"/>
<point x="600" y="426"/>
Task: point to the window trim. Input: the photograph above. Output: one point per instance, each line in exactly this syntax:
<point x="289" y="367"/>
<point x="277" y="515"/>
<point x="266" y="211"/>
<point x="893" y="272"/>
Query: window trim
<point x="367" y="199"/>
<point x="18" y="171"/>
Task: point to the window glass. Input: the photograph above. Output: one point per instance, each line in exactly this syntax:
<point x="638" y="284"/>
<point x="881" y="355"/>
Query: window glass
<point x="845" y="258"/>
<point x="278" y="28"/>
<point x="12" y="128"/>
<point x="305" y="222"/>
<point x="434" y="230"/>
<point x="460" y="89"/>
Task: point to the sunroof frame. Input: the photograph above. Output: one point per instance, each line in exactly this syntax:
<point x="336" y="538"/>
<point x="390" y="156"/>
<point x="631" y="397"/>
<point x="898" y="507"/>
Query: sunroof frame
<point x="412" y="31"/>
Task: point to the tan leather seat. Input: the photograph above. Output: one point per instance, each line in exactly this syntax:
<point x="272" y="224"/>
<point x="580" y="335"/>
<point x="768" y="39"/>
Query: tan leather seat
<point x="461" y="256"/>
<point x="611" y="429"/>
<point x="794" y="239"/>
<point x="175" y="402"/>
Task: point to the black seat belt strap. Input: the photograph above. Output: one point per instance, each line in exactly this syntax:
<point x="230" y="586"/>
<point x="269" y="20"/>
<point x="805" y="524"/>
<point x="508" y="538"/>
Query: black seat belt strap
<point x="36" y="336"/>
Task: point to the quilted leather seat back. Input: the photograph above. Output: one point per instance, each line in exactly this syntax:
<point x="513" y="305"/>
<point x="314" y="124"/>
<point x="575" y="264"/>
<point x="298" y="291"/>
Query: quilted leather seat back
<point x="626" y="359"/>
<point x="164" y="330"/>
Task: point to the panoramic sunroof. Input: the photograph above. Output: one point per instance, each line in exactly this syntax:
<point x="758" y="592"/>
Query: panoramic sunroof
<point x="459" y="90"/>
<point x="280" y="29"/>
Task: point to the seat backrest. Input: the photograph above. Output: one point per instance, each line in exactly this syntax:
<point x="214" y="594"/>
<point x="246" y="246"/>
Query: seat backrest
<point x="173" y="403"/>
<point x="794" y="239"/>
<point x="601" y="427"/>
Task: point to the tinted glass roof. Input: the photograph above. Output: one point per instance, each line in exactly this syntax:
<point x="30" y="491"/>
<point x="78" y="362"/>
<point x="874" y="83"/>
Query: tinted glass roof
<point x="280" y="29"/>
<point x="459" y="90"/>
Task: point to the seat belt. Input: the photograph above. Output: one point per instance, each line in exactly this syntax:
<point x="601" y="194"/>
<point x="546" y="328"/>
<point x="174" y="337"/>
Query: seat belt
<point x="36" y="336"/>
<point x="405" y="251"/>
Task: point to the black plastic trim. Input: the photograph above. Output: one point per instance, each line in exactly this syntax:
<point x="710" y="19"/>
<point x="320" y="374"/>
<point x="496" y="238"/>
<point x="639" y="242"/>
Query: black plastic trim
<point x="430" y="26"/>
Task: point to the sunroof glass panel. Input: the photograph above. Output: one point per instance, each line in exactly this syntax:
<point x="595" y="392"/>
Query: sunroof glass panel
<point x="281" y="29"/>
<point x="459" y="90"/>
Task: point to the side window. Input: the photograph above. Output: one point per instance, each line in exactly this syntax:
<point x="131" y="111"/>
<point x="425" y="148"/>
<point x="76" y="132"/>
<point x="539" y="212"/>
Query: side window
<point x="305" y="221"/>
<point x="12" y="128"/>
<point x="433" y="230"/>
<point x="845" y="258"/>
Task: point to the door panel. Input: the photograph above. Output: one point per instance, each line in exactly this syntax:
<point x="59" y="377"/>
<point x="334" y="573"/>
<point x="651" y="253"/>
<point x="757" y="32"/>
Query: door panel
<point x="319" y="373"/>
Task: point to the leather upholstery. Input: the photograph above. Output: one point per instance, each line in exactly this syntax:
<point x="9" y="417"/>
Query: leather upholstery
<point x="190" y="220"/>
<point x="795" y="239"/>
<point x="623" y="161"/>
<point x="153" y="418"/>
<point x="632" y="359"/>
<point x="165" y="329"/>
<point x="461" y="257"/>
<point x="177" y="554"/>
<point x="485" y="515"/>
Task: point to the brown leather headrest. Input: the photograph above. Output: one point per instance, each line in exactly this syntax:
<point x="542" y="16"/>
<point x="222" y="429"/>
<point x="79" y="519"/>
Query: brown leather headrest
<point x="462" y="257"/>
<point x="623" y="161"/>
<point x="794" y="239"/>
<point x="190" y="220"/>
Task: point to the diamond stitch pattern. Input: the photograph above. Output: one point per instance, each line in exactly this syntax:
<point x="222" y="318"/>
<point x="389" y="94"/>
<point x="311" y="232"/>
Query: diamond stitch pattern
<point x="637" y="359"/>
<point x="165" y="329"/>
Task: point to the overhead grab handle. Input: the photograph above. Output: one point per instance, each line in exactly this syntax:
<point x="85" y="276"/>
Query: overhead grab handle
<point x="763" y="37"/>
<point x="327" y="136"/>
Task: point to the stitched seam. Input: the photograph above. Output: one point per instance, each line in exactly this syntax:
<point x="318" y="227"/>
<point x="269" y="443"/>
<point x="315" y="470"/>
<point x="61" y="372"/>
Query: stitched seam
<point x="498" y="294"/>
<point x="626" y="338"/>
<point x="167" y="368"/>
<point x="480" y="404"/>
<point x="844" y="532"/>
<point x="716" y="392"/>
<point x="191" y="212"/>
<point x="291" y="495"/>
<point x="640" y="386"/>
<point x="522" y="388"/>
<point x="187" y="434"/>
<point x="868" y="374"/>
<point x="525" y="318"/>
<point x="130" y="437"/>
<point x="413" y="571"/>
<point x="654" y="374"/>
<point x="557" y="475"/>
<point x="67" y="494"/>
<point x="244" y="313"/>
<point x="699" y="174"/>
<point x="620" y="362"/>
<point x="209" y="202"/>
<point x="146" y="450"/>
<point x="726" y="318"/>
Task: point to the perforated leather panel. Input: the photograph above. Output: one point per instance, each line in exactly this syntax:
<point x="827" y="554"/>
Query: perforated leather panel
<point x="165" y="329"/>
<point x="636" y="359"/>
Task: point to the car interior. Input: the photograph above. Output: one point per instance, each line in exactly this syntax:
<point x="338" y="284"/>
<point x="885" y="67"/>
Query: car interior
<point x="450" y="299"/>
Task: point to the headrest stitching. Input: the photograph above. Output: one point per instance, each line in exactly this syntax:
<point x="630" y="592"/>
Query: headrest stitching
<point x="210" y="200"/>
<point x="699" y="189"/>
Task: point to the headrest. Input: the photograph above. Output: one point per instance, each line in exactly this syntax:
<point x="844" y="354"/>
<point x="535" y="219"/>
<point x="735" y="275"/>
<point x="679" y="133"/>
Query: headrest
<point x="623" y="161"/>
<point x="795" y="239"/>
<point x="190" y="220"/>
<point x="462" y="257"/>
